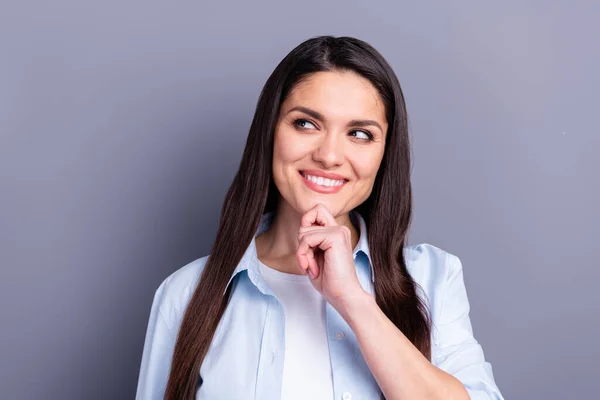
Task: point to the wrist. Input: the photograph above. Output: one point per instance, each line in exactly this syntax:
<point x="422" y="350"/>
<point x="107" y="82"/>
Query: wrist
<point x="352" y="306"/>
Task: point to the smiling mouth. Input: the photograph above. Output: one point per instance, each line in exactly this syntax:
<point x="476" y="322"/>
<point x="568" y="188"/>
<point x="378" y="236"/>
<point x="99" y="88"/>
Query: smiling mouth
<point x="324" y="183"/>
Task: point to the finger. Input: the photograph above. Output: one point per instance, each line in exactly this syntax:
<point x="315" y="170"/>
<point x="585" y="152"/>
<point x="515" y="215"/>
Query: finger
<point x="307" y="229"/>
<point x="310" y="264"/>
<point x="318" y="215"/>
<point x="333" y="233"/>
<point x="309" y="243"/>
<point x="313" y="266"/>
<point x="317" y="238"/>
<point x="302" y="262"/>
<point x="307" y="262"/>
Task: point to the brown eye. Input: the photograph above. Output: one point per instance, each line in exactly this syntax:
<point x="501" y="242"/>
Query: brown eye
<point x="366" y="135"/>
<point x="299" y="123"/>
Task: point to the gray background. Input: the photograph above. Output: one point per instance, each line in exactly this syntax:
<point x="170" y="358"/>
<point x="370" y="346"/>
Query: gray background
<point x="122" y="124"/>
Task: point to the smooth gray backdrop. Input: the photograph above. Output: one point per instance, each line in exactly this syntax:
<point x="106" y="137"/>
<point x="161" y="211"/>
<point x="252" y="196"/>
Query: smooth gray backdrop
<point x="122" y="124"/>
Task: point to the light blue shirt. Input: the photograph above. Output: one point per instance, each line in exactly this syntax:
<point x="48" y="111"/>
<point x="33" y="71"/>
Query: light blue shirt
<point x="245" y="358"/>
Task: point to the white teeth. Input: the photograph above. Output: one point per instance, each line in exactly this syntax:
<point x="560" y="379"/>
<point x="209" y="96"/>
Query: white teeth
<point x="324" y="181"/>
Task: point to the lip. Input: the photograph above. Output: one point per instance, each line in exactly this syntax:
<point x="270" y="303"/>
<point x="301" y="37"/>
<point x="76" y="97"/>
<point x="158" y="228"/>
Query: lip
<point x="330" y="175"/>
<point x="322" y="189"/>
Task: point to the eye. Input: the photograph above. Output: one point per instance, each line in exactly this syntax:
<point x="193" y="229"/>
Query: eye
<point x="299" y="123"/>
<point x="366" y="135"/>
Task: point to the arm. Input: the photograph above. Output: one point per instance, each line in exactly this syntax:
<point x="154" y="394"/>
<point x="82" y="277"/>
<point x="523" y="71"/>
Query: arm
<point x="458" y="369"/>
<point x="399" y="368"/>
<point x="457" y="351"/>
<point x="158" y="351"/>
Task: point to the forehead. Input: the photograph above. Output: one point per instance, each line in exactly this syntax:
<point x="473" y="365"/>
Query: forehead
<point x="338" y="94"/>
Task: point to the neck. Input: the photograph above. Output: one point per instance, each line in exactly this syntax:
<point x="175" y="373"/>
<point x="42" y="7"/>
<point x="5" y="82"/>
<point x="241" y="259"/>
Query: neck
<point x="276" y="247"/>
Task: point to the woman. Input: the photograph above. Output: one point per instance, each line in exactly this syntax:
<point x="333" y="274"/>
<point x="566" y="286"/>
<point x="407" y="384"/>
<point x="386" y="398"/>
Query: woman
<point x="309" y="291"/>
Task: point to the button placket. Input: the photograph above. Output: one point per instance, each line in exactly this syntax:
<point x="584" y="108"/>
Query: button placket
<point x="267" y="386"/>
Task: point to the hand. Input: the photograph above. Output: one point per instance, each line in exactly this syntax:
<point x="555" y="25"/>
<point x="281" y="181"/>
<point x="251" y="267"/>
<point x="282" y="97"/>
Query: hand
<point x="325" y="253"/>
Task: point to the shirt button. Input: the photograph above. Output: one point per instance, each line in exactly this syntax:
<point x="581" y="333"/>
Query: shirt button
<point x="347" y="396"/>
<point x="272" y="357"/>
<point x="340" y="335"/>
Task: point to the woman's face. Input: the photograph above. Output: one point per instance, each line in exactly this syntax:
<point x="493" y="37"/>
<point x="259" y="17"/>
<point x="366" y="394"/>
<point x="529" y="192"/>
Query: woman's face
<point x="329" y="142"/>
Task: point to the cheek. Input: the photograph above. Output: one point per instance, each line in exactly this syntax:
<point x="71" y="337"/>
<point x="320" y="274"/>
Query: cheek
<point x="367" y="165"/>
<point x="284" y="155"/>
<point x="287" y="147"/>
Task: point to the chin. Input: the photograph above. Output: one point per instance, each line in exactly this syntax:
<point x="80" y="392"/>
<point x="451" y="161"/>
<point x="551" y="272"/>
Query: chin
<point x="308" y="204"/>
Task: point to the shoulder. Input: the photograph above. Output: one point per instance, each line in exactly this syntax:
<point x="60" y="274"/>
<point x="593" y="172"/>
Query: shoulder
<point x="430" y="261"/>
<point x="432" y="268"/>
<point x="174" y="293"/>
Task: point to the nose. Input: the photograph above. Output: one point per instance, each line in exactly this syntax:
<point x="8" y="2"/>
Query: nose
<point x="330" y="150"/>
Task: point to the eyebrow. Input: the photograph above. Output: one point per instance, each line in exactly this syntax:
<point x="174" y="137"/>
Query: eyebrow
<point x="317" y="115"/>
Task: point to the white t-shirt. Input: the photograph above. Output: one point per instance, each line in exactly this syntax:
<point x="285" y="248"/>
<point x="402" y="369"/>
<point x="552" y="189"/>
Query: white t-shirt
<point x="306" y="366"/>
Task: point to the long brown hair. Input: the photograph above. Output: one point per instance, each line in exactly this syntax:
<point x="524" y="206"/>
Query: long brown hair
<point x="387" y="212"/>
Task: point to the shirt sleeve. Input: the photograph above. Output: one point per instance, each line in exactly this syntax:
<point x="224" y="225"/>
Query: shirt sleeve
<point x="457" y="352"/>
<point x="157" y="354"/>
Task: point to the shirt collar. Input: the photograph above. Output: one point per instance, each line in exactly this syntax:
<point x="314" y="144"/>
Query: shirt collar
<point x="249" y="261"/>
